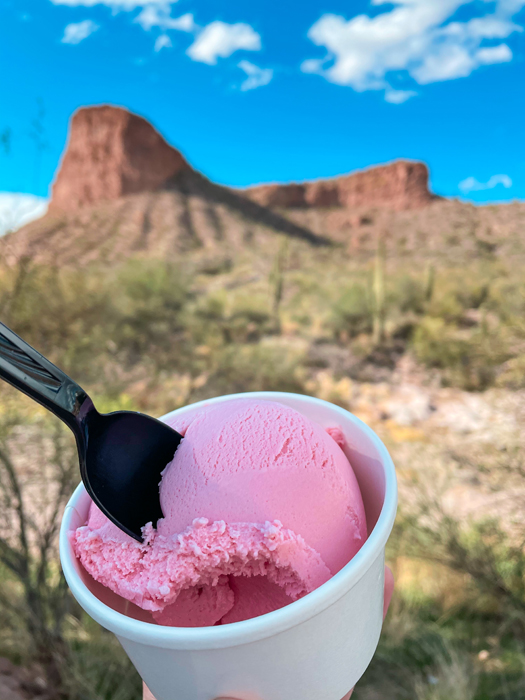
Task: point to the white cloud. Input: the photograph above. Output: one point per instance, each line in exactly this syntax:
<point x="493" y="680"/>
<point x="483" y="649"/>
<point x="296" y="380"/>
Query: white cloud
<point x="257" y="77"/>
<point x="470" y="184"/>
<point x="159" y="16"/>
<point x="219" y="39"/>
<point x="494" y="54"/>
<point x="114" y="4"/>
<point x="75" y="33"/>
<point x="413" y="36"/>
<point x="445" y="63"/>
<point x="397" y="97"/>
<point x="488" y="27"/>
<point x="162" y="42"/>
<point x="510" y="7"/>
<point x="312" y="65"/>
<point x="19" y="209"/>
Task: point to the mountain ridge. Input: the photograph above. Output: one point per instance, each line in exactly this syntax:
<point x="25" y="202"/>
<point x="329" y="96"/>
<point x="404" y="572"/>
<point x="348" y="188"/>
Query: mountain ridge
<point x="121" y="191"/>
<point x="398" y="185"/>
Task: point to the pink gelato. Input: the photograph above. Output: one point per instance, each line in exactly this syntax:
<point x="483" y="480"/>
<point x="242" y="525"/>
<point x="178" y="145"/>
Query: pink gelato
<point x="260" y="505"/>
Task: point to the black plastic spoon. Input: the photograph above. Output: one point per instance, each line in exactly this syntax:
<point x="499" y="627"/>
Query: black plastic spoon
<point x="121" y="454"/>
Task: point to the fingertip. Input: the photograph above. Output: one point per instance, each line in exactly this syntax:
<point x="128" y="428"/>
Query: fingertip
<point x="146" y="693"/>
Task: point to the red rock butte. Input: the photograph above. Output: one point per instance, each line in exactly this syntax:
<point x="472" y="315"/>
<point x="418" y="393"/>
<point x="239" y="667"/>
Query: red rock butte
<point x="110" y="153"/>
<point x="123" y="192"/>
<point x="399" y="185"/>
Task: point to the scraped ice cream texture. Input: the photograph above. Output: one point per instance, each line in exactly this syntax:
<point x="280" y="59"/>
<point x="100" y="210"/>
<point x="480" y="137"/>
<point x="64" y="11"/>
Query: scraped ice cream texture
<point x="261" y="506"/>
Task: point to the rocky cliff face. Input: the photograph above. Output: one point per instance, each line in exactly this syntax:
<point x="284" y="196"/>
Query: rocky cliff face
<point x="122" y="190"/>
<point x="111" y="153"/>
<point x="399" y="186"/>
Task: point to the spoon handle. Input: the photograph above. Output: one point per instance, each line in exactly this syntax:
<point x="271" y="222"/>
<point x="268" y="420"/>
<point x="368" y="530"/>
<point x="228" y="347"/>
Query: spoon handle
<point x="30" y="372"/>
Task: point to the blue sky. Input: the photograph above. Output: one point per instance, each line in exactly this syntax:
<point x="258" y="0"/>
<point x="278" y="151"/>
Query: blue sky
<point x="266" y="91"/>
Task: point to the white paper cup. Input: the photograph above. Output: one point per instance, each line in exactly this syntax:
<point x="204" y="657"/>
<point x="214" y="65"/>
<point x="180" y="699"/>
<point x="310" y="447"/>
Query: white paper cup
<point x="316" y="648"/>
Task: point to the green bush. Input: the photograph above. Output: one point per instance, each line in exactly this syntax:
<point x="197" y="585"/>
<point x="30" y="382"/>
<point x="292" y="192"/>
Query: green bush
<point x="407" y="294"/>
<point x="436" y="344"/>
<point x="512" y="374"/>
<point x="240" y="368"/>
<point x="470" y="360"/>
<point x="65" y="314"/>
<point x="507" y="299"/>
<point x="352" y="314"/>
<point x="149" y="311"/>
<point x="217" y="320"/>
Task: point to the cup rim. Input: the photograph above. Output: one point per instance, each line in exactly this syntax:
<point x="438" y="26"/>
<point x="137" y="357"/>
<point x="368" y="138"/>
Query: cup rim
<point x="256" y="628"/>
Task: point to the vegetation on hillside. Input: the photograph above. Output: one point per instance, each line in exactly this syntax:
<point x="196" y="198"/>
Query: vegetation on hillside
<point x="153" y="336"/>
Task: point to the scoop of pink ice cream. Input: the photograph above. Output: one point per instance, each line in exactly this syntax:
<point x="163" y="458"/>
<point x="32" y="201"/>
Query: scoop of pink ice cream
<point x="261" y="506"/>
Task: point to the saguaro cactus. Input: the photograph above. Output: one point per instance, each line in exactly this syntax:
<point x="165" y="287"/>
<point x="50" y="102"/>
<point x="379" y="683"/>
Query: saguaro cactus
<point x="430" y="279"/>
<point x="379" y="292"/>
<point x="277" y="282"/>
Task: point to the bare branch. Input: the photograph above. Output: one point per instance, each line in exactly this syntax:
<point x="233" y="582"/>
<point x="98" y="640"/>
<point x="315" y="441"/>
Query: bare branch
<point x="11" y="558"/>
<point x="19" y="502"/>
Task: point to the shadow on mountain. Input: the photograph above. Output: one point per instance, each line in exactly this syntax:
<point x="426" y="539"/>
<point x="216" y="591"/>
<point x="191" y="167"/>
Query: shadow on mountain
<point x="193" y="183"/>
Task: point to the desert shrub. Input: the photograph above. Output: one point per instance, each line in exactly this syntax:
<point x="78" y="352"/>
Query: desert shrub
<point x="507" y="300"/>
<point x="469" y="359"/>
<point x="33" y="493"/>
<point x="407" y="294"/>
<point x="437" y="345"/>
<point x="211" y="307"/>
<point x="415" y="659"/>
<point x="215" y="265"/>
<point x="445" y="305"/>
<point x="250" y="319"/>
<point x="472" y="293"/>
<point x="247" y="326"/>
<point x="39" y="619"/>
<point x="240" y="368"/>
<point x="99" y="668"/>
<point x="81" y="319"/>
<point x="463" y="635"/>
<point x="149" y="312"/>
<point x="494" y="563"/>
<point x="451" y="675"/>
<point x="65" y="314"/>
<point x="217" y="320"/>
<point x="352" y="313"/>
<point x="512" y="374"/>
<point x="456" y="291"/>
